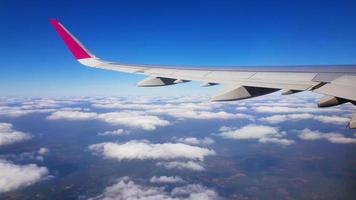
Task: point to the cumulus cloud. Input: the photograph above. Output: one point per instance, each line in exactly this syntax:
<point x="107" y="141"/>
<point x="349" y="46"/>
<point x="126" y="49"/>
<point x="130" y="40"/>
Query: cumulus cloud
<point x="9" y="136"/>
<point x="275" y="119"/>
<point x="195" y="192"/>
<point x="250" y="131"/>
<point x="181" y="110"/>
<point x="281" y="141"/>
<point x="307" y="134"/>
<point x="43" y="151"/>
<point x="125" y="188"/>
<point x="14" y="176"/>
<point x="144" y="150"/>
<point x="264" y="134"/>
<point x="72" y="115"/>
<point x="37" y="155"/>
<point x="331" y="119"/>
<point x="166" y="179"/>
<point x="183" y="113"/>
<point x="340" y="139"/>
<point x="18" y="111"/>
<point x="154" y="104"/>
<point x="196" y="141"/>
<point x="26" y="106"/>
<point x="225" y="128"/>
<point x="115" y="132"/>
<point x="241" y="108"/>
<point x="286" y="109"/>
<point x="181" y="165"/>
<point x="133" y="119"/>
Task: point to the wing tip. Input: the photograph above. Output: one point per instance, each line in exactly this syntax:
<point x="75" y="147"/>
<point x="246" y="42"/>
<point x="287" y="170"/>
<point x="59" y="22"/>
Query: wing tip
<point x="77" y="49"/>
<point x="53" y="21"/>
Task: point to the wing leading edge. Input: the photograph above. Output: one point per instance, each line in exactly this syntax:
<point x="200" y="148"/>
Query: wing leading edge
<point x="337" y="82"/>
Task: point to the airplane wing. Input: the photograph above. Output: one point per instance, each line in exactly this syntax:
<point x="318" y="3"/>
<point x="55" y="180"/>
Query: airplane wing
<point x="336" y="82"/>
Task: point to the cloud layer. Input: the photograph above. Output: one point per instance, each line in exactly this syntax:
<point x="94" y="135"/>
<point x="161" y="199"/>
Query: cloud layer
<point x="178" y="109"/>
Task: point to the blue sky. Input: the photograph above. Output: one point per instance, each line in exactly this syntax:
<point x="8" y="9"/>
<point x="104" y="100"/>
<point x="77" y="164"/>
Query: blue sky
<point x="35" y="62"/>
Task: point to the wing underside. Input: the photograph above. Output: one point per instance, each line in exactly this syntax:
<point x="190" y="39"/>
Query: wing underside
<point x="337" y="83"/>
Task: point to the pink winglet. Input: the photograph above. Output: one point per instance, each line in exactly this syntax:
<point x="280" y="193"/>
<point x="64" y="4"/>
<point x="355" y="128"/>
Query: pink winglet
<point x="77" y="49"/>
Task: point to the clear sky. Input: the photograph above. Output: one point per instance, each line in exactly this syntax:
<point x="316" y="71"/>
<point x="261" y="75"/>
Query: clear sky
<point x="35" y="62"/>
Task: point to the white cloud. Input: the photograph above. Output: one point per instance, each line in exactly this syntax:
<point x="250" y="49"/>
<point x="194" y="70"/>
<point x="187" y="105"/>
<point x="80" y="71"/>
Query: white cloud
<point x="166" y="179"/>
<point x="18" y="111"/>
<point x="286" y="109"/>
<point x="127" y="189"/>
<point x="14" y="176"/>
<point x="133" y="119"/>
<point x="155" y="104"/>
<point x="130" y="106"/>
<point x="186" y="99"/>
<point x="275" y="119"/>
<point x="26" y="106"/>
<point x="9" y="136"/>
<point x="251" y="131"/>
<point x="196" y="141"/>
<point x="241" y="108"/>
<point x="332" y="119"/>
<point x="225" y="128"/>
<point x="307" y="134"/>
<point x="115" y="132"/>
<point x="264" y="134"/>
<point x="182" y="110"/>
<point x="37" y="155"/>
<point x="342" y="140"/>
<point x="183" y="113"/>
<point x="181" y="165"/>
<point x="195" y="192"/>
<point x="143" y="150"/>
<point x="43" y="151"/>
<point x="281" y="141"/>
<point x="72" y="115"/>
